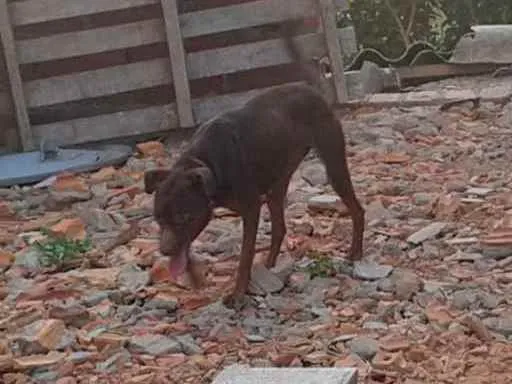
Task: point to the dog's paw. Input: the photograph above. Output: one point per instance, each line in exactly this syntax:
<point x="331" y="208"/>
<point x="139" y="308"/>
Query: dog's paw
<point x="235" y="301"/>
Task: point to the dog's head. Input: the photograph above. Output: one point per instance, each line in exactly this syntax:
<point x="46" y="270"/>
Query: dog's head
<point x="182" y="208"/>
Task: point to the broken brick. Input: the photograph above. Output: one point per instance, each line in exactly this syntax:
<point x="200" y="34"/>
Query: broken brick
<point x="38" y="361"/>
<point x="160" y="271"/>
<point x="6" y="258"/>
<point x="152" y="149"/>
<point x="70" y="228"/>
<point x="68" y="182"/>
<point x="41" y="336"/>
<point x="104" y="174"/>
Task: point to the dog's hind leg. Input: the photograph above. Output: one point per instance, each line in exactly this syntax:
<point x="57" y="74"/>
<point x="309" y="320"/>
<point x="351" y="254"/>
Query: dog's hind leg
<point x="330" y="144"/>
<point x="276" y="205"/>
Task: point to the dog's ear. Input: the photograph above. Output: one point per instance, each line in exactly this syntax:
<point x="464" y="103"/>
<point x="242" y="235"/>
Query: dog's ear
<point x="204" y="176"/>
<point x="153" y="178"/>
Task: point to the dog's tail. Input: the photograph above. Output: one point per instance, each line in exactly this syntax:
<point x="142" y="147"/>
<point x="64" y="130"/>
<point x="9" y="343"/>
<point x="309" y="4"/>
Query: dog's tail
<point x="330" y="145"/>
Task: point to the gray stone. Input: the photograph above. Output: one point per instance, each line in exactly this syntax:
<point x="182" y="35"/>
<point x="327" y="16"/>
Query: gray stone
<point x="45" y="376"/>
<point x="168" y="305"/>
<point x="406" y="284"/>
<point x="464" y="299"/>
<point x="375" y="211"/>
<point x="29" y="258"/>
<point x="73" y="315"/>
<point x="188" y="345"/>
<point x="28" y="341"/>
<point x="264" y="281"/>
<point x="208" y="317"/>
<point x="426" y="233"/>
<point x="125" y="312"/>
<point x="432" y="287"/>
<point x="227" y="245"/>
<point x="69" y="197"/>
<point x="80" y="357"/>
<point x="315" y="289"/>
<point x="95" y="298"/>
<point x="423" y="198"/>
<point x="480" y="192"/>
<point x="279" y="303"/>
<point x="98" y="219"/>
<point x="240" y="374"/>
<point x="425" y="129"/>
<point x="285" y="266"/>
<point x="501" y="325"/>
<point x="498" y="252"/>
<point x="371" y="271"/>
<point x="365" y="290"/>
<point x="68" y="340"/>
<point x="387" y="285"/>
<point x="17" y="286"/>
<point x="364" y="347"/>
<point x="314" y="173"/>
<point x="375" y="325"/>
<point x="323" y="203"/>
<point x="489" y="301"/>
<point x="113" y="362"/>
<point x="10" y="194"/>
<point x="464" y="256"/>
<point x="321" y="311"/>
<point x="155" y="345"/>
<point x="255" y="338"/>
<point x="133" y="278"/>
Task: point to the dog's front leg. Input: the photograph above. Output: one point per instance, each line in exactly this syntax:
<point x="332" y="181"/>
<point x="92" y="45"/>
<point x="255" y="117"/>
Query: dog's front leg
<point x="250" y="218"/>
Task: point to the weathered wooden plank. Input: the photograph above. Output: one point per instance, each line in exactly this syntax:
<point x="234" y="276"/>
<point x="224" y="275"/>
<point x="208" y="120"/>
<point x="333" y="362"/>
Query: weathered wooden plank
<point x="102" y="82"/>
<point x="91" y="41"/>
<point x="244" y="15"/>
<point x="125" y="78"/>
<point x="38" y="11"/>
<point x="328" y="10"/>
<point x="130" y="77"/>
<point x="178" y="64"/>
<point x="153" y="31"/>
<point x="249" y="56"/>
<point x="206" y="108"/>
<point x="6" y="106"/>
<point x="139" y="122"/>
<point x="7" y="38"/>
<point x="116" y="125"/>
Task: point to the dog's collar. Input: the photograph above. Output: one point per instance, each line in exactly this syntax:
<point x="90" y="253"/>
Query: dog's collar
<point x="196" y="162"/>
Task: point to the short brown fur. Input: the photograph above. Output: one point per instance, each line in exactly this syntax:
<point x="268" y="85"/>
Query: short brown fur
<point x="238" y="157"/>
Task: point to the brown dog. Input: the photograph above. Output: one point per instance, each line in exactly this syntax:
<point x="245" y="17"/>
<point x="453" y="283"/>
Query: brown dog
<point x="238" y="157"/>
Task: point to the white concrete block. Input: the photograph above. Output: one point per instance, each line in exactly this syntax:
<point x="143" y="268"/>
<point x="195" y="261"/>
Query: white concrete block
<point x="241" y="374"/>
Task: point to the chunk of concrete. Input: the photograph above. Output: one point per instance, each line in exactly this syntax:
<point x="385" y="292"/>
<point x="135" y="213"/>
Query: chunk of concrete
<point x="426" y="233"/>
<point x="241" y="374"/>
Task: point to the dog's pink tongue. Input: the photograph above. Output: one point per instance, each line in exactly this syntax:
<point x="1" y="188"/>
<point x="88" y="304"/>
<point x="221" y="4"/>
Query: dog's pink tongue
<point x="178" y="265"/>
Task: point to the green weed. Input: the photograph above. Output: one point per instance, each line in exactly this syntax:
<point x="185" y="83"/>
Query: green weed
<point x="322" y="265"/>
<point x="57" y="252"/>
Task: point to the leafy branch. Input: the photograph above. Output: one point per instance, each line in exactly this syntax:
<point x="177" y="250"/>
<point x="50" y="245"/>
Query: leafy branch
<point x="405" y="32"/>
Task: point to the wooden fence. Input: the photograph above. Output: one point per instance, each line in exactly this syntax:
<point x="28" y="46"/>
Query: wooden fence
<point x="84" y="71"/>
<point x="8" y="125"/>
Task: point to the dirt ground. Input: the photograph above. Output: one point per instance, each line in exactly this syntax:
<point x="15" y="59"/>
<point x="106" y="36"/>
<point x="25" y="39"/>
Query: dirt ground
<point x="430" y="303"/>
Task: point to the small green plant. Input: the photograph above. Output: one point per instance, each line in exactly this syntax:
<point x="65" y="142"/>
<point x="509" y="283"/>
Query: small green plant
<point x="322" y="265"/>
<point x="57" y="252"/>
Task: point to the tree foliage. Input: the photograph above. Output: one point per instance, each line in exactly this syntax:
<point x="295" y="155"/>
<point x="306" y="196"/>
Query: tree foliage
<point x="392" y="25"/>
